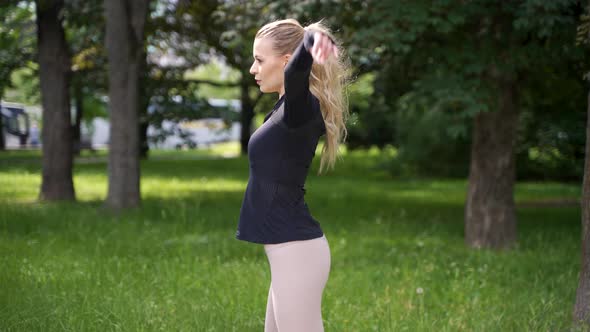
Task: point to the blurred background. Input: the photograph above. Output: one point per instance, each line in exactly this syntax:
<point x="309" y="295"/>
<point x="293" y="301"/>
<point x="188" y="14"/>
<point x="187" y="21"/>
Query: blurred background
<point x="422" y="72"/>
<point x="124" y="131"/>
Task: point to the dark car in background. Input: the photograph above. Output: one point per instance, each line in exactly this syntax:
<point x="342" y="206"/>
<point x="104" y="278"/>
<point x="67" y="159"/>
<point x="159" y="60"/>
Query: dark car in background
<point x="16" y="126"/>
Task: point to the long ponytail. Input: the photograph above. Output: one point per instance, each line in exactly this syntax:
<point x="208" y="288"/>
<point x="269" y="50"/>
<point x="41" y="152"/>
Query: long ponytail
<point x="328" y="81"/>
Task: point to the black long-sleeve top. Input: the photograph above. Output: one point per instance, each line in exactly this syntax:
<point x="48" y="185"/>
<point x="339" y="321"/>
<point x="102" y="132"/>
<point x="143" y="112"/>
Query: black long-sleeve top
<point x="280" y="154"/>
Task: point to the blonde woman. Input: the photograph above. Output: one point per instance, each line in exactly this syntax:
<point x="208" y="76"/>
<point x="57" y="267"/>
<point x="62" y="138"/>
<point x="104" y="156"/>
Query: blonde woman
<point x="304" y="66"/>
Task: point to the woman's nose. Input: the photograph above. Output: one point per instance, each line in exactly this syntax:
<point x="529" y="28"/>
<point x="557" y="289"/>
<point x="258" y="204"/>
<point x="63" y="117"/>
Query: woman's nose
<point x="252" y="70"/>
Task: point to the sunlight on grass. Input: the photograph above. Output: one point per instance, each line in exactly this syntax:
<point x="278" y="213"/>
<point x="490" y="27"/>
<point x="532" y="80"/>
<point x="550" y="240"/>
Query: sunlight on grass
<point x="172" y="187"/>
<point x="220" y="150"/>
<point x="90" y="187"/>
<point x="19" y="186"/>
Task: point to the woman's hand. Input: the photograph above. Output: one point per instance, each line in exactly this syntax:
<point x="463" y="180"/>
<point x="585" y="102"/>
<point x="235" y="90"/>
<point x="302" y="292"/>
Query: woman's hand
<point x="322" y="48"/>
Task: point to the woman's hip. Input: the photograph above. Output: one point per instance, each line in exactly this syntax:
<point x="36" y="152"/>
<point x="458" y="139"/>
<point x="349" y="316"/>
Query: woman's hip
<point x="301" y="246"/>
<point x="307" y="259"/>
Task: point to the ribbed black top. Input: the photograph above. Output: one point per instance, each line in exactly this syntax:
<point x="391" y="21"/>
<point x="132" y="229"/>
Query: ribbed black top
<point x="280" y="154"/>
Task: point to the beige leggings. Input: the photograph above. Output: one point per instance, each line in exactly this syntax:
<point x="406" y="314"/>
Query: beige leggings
<point x="299" y="271"/>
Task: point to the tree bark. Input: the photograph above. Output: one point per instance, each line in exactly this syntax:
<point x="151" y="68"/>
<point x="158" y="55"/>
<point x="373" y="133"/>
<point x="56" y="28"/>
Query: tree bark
<point x="125" y="22"/>
<point x="144" y="147"/>
<point x="79" y="100"/>
<point x="582" y="306"/>
<point x="247" y="115"/>
<point x="2" y="142"/>
<point x="144" y="100"/>
<point x="54" y="75"/>
<point x="490" y="219"/>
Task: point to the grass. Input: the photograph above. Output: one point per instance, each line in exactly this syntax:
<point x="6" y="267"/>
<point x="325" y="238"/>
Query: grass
<point x="398" y="258"/>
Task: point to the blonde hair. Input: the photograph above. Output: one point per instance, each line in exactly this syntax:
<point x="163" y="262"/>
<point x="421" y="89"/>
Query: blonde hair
<point x="327" y="81"/>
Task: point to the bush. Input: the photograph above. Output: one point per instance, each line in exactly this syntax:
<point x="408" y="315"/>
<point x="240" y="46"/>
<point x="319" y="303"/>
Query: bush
<point x="431" y="143"/>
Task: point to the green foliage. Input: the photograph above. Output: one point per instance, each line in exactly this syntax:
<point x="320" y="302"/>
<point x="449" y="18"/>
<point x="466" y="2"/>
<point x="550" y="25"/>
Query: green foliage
<point x="216" y="72"/>
<point x="454" y="56"/>
<point x="24" y="85"/>
<point x="94" y="108"/>
<point x="368" y="124"/>
<point x="17" y="39"/>
<point x="583" y="37"/>
<point x="434" y="142"/>
<point x="551" y="137"/>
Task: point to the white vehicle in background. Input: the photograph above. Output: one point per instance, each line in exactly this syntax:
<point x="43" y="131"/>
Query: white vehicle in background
<point x="220" y="126"/>
<point x="201" y="132"/>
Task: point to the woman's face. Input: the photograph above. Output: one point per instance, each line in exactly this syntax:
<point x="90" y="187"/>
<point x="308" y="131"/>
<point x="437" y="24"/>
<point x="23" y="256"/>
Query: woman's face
<point x="268" y="68"/>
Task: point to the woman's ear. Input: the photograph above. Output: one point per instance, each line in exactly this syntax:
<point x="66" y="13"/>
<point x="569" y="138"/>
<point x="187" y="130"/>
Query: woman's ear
<point x="286" y="59"/>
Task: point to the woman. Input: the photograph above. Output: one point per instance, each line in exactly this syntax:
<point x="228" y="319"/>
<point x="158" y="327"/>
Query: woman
<point x="302" y="66"/>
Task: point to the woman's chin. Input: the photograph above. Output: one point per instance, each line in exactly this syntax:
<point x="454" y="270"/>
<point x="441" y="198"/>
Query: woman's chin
<point x="264" y="89"/>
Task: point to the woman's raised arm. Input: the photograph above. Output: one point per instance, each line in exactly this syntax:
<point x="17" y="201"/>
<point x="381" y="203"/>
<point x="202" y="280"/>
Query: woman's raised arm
<point x="315" y="46"/>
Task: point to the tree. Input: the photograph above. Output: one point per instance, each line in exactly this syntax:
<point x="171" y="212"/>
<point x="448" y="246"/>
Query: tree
<point x="582" y="305"/>
<point x="517" y="32"/>
<point x="490" y="217"/>
<point x="54" y="69"/>
<point x="475" y="59"/>
<point x="125" y="22"/>
<point x="83" y="27"/>
<point x="84" y="24"/>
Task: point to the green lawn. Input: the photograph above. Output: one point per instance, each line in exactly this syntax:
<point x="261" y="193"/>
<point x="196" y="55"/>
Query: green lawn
<point x="398" y="258"/>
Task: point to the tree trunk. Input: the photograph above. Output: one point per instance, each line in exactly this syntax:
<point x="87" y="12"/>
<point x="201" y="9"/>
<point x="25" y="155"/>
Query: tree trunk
<point x="490" y="219"/>
<point x="144" y="100"/>
<point x="125" y="22"/>
<point x="2" y="142"/>
<point x="144" y="147"/>
<point x="582" y="306"/>
<point x="246" y="116"/>
<point x="79" y="99"/>
<point x="54" y="75"/>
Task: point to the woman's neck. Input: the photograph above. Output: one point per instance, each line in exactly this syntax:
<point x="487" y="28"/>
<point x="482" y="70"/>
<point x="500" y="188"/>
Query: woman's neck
<point x="281" y="92"/>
